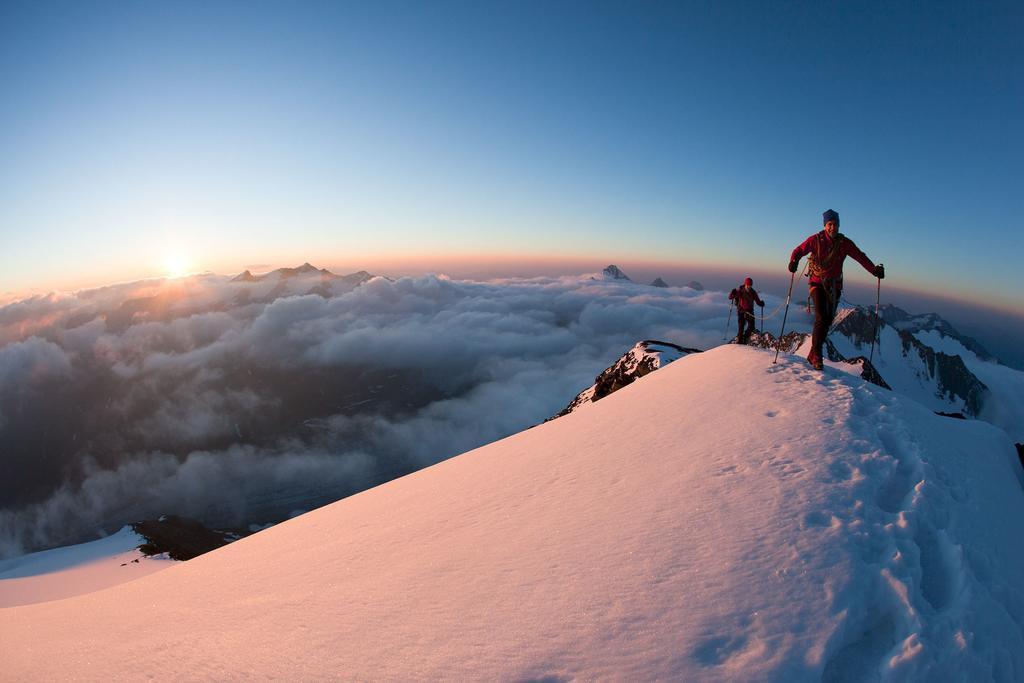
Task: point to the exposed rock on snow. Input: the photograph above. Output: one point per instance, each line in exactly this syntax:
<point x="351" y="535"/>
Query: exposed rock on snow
<point x="181" y="538"/>
<point x="944" y="375"/>
<point x="645" y="357"/>
<point x="793" y="341"/>
<point x="951" y="376"/>
<point x="902" y="320"/>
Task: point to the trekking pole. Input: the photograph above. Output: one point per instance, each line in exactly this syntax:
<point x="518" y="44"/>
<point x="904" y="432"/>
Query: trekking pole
<point x="778" y="342"/>
<point x="878" y="298"/>
<point x="727" y="321"/>
<point x="762" y="320"/>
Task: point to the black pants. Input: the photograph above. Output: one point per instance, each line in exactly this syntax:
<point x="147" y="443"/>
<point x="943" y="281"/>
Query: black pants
<point x="826" y="301"/>
<point x="744" y="319"/>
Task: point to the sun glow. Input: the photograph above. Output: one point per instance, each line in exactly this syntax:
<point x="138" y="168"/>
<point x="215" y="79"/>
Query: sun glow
<point x="176" y="265"/>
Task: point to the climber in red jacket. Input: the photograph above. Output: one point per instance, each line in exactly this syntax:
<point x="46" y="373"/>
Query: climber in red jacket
<point x="826" y="251"/>
<point x="745" y="297"/>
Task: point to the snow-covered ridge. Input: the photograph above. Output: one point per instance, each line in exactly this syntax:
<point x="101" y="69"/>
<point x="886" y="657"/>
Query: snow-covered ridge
<point x="788" y="525"/>
<point x="799" y="343"/>
<point x="945" y="375"/>
<point x="922" y="360"/>
<point x="931" y="322"/>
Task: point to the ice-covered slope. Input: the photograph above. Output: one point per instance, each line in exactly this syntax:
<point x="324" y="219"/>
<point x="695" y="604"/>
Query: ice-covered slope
<point x="937" y="369"/>
<point x="1004" y="406"/>
<point x="719" y="519"/>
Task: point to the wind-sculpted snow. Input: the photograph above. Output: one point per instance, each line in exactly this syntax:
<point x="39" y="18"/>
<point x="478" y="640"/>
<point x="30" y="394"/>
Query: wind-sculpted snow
<point x="719" y="519"/>
<point x="241" y="401"/>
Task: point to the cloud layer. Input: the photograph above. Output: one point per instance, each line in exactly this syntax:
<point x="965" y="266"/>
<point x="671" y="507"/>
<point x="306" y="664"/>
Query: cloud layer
<point x="241" y="402"/>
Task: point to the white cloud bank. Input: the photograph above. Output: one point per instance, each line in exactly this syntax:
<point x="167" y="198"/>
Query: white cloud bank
<point x="159" y="397"/>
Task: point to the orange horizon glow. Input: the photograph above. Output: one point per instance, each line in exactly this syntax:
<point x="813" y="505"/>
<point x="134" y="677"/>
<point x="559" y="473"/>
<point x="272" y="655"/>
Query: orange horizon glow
<point x="463" y="265"/>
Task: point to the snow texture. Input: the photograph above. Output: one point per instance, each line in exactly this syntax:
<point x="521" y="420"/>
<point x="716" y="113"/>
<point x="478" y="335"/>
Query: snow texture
<point x="75" y="570"/>
<point x="720" y="519"/>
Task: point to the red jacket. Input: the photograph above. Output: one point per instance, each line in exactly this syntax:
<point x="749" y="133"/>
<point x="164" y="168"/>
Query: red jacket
<point x="827" y="256"/>
<point x="745" y="299"/>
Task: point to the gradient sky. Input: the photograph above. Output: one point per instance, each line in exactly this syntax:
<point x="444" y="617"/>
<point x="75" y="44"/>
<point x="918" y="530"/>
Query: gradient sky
<point x="693" y="132"/>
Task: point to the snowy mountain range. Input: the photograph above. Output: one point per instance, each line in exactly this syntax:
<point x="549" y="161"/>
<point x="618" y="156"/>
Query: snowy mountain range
<point x="613" y="273"/>
<point x="923" y="358"/>
<point x="901" y="320"/>
<point x="945" y="377"/>
<point x="722" y="518"/>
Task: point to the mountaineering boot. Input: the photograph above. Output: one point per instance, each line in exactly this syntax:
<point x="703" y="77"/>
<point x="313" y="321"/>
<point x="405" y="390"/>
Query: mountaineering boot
<point x="815" y="361"/>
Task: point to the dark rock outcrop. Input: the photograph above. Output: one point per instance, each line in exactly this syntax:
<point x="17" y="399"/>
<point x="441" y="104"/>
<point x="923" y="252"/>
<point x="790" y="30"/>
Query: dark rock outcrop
<point x="952" y="378"/>
<point x="951" y="375"/>
<point x="788" y="343"/>
<point x="645" y="357"/>
<point x="859" y="325"/>
<point x="181" y="538"/>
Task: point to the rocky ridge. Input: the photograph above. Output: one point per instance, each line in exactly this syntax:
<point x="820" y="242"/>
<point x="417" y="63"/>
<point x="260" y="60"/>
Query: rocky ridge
<point x="645" y="357"/>
<point x="951" y="377"/>
<point x="902" y="320"/>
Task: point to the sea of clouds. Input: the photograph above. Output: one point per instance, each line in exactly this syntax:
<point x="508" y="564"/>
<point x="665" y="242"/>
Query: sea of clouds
<point x="243" y="402"/>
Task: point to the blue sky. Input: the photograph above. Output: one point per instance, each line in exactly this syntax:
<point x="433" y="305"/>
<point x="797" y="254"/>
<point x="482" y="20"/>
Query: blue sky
<point x="711" y="133"/>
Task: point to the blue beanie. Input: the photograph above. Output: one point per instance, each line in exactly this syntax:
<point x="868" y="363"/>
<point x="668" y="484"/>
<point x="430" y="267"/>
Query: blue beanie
<point x="830" y="215"/>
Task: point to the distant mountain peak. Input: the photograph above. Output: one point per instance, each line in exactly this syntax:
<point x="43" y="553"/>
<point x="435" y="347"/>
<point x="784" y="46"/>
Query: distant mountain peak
<point x="693" y="284"/>
<point x="304" y="279"/>
<point x="305" y="269"/>
<point x="612" y="272"/>
<point x="658" y="282"/>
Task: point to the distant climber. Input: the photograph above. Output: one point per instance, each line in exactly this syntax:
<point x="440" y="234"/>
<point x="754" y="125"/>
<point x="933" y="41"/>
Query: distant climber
<point x="745" y="297"/>
<point x="826" y="251"/>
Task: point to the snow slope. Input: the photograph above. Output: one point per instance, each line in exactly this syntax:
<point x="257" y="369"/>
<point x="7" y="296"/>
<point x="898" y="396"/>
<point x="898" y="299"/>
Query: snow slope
<point x="75" y="570"/>
<point x="1005" y="383"/>
<point x="720" y="519"/>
